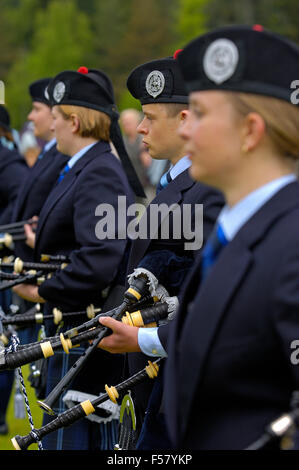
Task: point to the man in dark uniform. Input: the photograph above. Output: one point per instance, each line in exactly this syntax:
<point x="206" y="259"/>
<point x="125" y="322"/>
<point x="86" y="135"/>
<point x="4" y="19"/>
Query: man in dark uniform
<point x="38" y="184"/>
<point x="43" y="175"/>
<point x="160" y="88"/>
<point x="13" y="170"/>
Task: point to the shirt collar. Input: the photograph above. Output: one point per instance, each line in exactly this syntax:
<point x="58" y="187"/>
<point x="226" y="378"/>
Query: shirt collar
<point x="179" y="167"/>
<point x="79" y="154"/>
<point x="49" y="145"/>
<point x="233" y="218"/>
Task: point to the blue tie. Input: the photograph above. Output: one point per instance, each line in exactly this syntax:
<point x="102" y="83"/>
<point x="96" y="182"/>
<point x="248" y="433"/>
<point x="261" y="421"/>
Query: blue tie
<point x="63" y="173"/>
<point x="211" y="251"/>
<point x="164" y="180"/>
<point x="42" y="153"/>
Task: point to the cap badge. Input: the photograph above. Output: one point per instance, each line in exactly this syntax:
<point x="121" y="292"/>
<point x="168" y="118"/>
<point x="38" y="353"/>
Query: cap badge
<point x="155" y="83"/>
<point x="220" y="60"/>
<point x="46" y="93"/>
<point x="59" y="91"/>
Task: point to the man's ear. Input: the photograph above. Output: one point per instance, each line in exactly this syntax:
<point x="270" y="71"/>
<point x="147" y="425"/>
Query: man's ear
<point x="184" y="114"/>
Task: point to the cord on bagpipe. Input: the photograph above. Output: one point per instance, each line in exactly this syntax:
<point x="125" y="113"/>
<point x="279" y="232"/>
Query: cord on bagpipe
<point x="83" y="409"/>
<point x="15" y="341"/>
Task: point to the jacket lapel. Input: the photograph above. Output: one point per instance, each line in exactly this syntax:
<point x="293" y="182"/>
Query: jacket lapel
<point x="61" y="188"/>
<point x="172" y="194"/>
<point x="234" y="261"/>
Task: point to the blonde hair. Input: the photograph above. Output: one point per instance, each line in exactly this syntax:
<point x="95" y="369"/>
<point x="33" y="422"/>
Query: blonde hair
<point x="7" y="134"/>
<point x="93" y="123"/>
<point x="281" y="119"/>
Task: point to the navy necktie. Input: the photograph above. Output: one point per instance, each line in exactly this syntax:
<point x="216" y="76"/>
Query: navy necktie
<point x="211" y="250"/>
<point x="164" y="180"/>
<point x="63" y="173"/>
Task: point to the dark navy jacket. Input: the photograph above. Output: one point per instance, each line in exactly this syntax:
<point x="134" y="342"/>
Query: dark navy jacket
<point x="182" y="190"/>
<point x="34" y="192"/>
<point x="13" y="171"/>
<point x="229" y="371"/>
<point x="67" y="226"/>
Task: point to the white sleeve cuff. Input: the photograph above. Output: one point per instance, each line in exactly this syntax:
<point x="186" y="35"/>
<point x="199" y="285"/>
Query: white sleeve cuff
<point x="149" y="342"/>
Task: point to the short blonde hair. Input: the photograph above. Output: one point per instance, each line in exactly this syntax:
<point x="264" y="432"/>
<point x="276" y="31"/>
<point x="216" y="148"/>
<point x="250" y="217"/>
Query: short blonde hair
<point x="93" y="123"/>
<point x="7" y="134"/>
<point x="281" y="119"/>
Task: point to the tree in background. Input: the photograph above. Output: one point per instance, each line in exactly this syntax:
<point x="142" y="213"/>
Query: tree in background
<point x="60" y="40"/>
<point x="195" y="17"/>
<point x="42" y="37"/>
<point x="130" y="33"/>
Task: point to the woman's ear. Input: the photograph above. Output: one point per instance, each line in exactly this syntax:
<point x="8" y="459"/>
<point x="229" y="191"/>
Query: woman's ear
<point x="75" y="123"/>
<point x="254" y="129"/>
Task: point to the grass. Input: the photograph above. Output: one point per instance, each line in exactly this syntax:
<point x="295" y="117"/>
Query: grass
<point x="21" y="426"/>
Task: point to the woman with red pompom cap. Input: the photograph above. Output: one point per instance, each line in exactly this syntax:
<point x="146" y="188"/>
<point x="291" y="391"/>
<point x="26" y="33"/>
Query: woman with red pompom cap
<point x="232" y="370"/>
<point x="85" y="122"/>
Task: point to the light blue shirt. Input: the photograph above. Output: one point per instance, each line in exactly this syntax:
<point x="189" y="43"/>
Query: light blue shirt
<point x="148" y="338"/>
<point x="231" y="220"/>
<point x="79" y="154"/>
<point x="49" y="145"/>
<point x="179" y="167"/>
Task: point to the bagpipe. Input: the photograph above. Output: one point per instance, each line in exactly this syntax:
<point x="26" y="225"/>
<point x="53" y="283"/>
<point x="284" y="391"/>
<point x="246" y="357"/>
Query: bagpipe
<point x="13" y="232"/>
<point x="87" y="407"/>
<point x="145" y="303"/>
<point x="28" y="272"/>
<point x="139" y="308"/>
<point x="35" y="316"/>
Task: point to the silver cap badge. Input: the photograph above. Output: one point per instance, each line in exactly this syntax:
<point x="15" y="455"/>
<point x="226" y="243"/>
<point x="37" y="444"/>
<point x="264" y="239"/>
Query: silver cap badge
<point x="155" y="83"/>
<point x="220" y="60"/>
<point x="59" y="91"/>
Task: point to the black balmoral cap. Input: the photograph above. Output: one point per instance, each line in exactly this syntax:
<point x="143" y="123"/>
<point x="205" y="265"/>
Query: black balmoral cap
<point x="39" y="91"/>
<point x="4" y="118"/>
<point x="92" y="88"/>
<point x="158" y="81"/>
<point x="89" y="88"/>
<point x="241" y="58"/>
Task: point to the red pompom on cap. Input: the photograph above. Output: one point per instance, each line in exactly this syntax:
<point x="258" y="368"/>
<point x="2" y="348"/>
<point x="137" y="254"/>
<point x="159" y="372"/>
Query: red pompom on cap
<point x="175" y="55"/>
<point x="257" y="27"/>
<point x="83" y="70"/>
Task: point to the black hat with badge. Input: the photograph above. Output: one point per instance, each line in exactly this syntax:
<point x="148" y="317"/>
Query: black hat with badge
<point x="38" y="91"/>
<point x="92" y="88"/>
<point x="158" y="81"/>
<point x="4" y="118"/>
<point x="85" y="87"/>
<point x="245" y="59"/>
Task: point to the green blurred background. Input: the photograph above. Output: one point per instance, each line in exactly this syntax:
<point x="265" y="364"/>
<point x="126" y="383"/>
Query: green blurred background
<point x="40" y="38"/>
